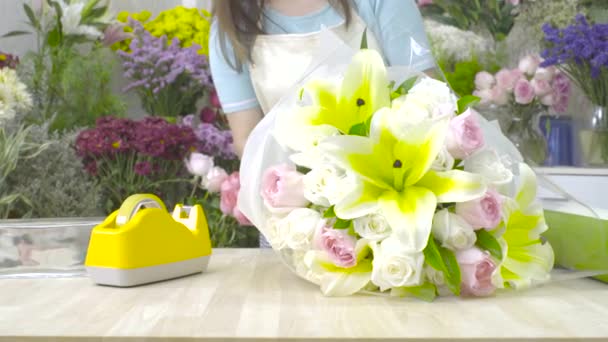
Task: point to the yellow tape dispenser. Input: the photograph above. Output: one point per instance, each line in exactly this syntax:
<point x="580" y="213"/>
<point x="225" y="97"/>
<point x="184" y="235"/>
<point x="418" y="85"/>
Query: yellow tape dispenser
<point x="142" y="243"/>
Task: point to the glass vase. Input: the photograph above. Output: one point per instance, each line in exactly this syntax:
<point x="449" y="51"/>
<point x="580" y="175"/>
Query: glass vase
<point x="593" y="137"/>
<point x="524" y="132"/>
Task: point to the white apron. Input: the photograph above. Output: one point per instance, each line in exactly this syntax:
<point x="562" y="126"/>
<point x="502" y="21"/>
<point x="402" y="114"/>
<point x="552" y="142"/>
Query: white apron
<point x="279" y="60"/>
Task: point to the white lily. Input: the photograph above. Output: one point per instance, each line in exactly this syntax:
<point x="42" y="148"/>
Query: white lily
<point x="395" y="176"/>
<point x="526" y="259"/>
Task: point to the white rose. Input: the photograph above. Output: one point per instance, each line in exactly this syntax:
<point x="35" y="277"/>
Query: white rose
<point x="298" y="227"/>
<point x="444" y="161"/>
<point x="199" y="164"/>
<point x="373" y="227"/>
<point x="327" y="185"/>
<point x="431" y="93"/>
<point x="545" y="74"/>
<point x="453" y="231"/>
<point x="392" y="267"/>
<point x="488" y="164"/>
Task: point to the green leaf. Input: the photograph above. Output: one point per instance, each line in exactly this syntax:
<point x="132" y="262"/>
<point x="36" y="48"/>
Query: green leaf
<point x="329" y="213"/>
<point x="364" y="40"/>
<point x="487" y="241"/>
<point x="467" y="102"/>
<point x="30" y="14"/>
<point x="54" y="37"/>
<point x="96" y="13"/>
<point x="342" y="224"/>
<point x="359" y="129"/>
<point x="88" y="8"/>
<point x="426" y="292"/>
<point x="444" y="260"/>
<point x="15" y="34"/>
<point x="407" y="85"/>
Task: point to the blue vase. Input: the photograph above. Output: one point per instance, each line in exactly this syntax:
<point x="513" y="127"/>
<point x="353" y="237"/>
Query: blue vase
<point x="558" y="133"/>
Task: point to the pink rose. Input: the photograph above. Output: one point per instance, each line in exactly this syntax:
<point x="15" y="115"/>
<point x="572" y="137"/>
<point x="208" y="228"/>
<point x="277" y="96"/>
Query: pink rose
<point x="464" y="135"/>
<point x="561" y="84"/>
<point x="422" y="3"/>
<point x="240" y="217"/>
<point x="524" y="93"/>
<point x="484" y="80"/>
<point x="506" y="79"/>
<point x="529" y="64"/>
<point x="561" y="104"/>
<point x="214" y="99"/>
<point x="548" y="100"/>
<point x="229" y="191"/>
<point x="214" y="179"/>
<point x="499" y="96"/>
<point x="199" y="164"/>
<point x="545" y="74"/>
<point x="484" y="212"/>
<point x="339" y="245"/>
<point x="484" y="95"/>
<point x="282" y="187"/>
<point x="476" y="269"/>
<point x="541" y="87"/>
<point x="514" y="2"/>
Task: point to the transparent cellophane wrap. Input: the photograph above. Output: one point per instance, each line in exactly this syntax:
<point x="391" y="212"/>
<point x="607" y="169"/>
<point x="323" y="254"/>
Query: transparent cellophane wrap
<point x="263" y="151"/>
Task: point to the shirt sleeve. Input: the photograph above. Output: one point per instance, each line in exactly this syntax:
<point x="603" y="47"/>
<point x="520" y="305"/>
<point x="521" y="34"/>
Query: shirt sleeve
<point x="398" y="26"/>
<point x="234" y="88"/>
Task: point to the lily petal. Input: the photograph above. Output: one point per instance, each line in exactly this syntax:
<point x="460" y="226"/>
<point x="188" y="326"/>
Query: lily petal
<point x="410" y="215"/>
<point x="361" y="155"/>
<point x="323" y="93"/>
<point x="363" y="200"/>
<point x="529" y="265"/>
<point x="453" y="186"/>
<point x="527" y="188"/>
<point x="365" y="87"/>
<point x="418" y="147"/>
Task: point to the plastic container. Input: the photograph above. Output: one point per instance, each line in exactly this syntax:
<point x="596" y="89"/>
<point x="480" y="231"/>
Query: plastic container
<point x="44" y="248"/>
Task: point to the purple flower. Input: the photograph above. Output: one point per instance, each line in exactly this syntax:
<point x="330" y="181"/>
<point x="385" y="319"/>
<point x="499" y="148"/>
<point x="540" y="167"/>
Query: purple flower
<point x="8" y="61"/>
<point x="143" y="168"/>
<point x="155" y="63"/>
<point x="580" y="44"/>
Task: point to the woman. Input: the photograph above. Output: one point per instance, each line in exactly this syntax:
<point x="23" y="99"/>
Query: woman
<point x="258" y="49"/>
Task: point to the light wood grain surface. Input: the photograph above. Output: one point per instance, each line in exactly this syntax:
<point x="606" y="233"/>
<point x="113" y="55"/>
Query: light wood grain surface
<point x="250" y="294"/>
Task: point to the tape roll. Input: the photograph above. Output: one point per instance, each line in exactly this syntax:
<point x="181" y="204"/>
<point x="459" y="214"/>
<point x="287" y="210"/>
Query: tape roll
<point x="134" y="203"/>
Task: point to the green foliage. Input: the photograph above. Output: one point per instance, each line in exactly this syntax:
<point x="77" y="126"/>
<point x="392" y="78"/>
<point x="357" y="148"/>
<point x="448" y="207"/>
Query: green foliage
<point x="444" y="260"/>
<point x="15" y="148"/>
<point x="54" y="180"/>
<point x="495" y="16"/>
<point x="488" y="242"/>
<point x="71" y="89"/>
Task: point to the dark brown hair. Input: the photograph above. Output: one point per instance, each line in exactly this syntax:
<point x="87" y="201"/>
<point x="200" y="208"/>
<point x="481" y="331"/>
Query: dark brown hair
<point x="239" y="22"/>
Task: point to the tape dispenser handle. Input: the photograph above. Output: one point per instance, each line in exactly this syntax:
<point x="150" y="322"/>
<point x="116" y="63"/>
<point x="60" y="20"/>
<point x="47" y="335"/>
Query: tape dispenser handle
<point x="134" y="203"/>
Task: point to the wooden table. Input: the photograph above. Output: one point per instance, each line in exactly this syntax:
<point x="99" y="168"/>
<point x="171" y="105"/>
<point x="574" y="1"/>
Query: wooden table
<point x="250" y="294"/>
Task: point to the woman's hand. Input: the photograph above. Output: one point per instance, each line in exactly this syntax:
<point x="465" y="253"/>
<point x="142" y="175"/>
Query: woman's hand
<point x="241" y="124"/>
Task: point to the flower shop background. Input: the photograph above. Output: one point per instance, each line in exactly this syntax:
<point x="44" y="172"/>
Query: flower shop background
<point x="96" y="106"/>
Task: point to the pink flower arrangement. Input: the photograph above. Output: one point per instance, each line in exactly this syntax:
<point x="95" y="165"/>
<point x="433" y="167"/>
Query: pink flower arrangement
<point x="528" y="84"/>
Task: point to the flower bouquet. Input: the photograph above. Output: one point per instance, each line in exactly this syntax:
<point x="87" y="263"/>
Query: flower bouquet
<point x="519" y="96"/>
<point x="580" y="51"/>
<point x="364" y="187"/>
